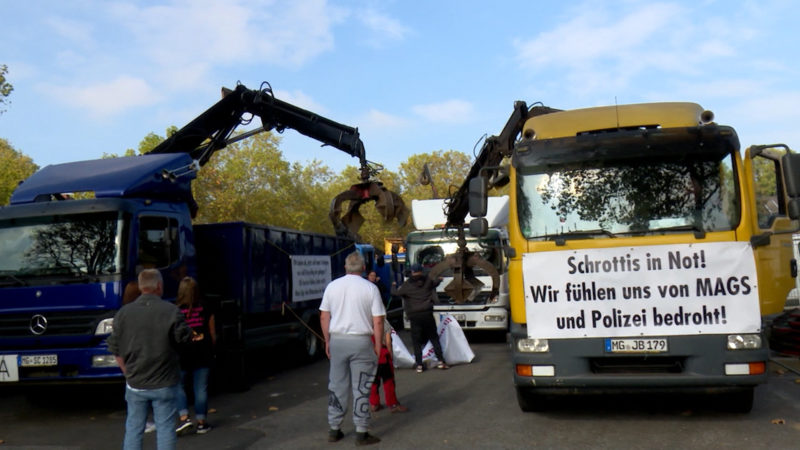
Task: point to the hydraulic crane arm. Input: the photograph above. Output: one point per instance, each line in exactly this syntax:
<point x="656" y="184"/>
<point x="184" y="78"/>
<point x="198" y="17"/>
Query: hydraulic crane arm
<point x="494" y="149"/>
<point x="212" y="131"/>
<point x="488" y="161"/>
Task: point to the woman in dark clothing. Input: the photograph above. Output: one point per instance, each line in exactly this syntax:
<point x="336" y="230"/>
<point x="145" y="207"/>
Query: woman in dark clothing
<point x="417" y="293"/>
<point x="197" y="357"/>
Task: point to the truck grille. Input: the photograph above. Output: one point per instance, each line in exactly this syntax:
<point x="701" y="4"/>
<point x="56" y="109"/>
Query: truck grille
<point x="58" y="324"/>
<point x="637" y="365"/>
<point x="480" y="299"/>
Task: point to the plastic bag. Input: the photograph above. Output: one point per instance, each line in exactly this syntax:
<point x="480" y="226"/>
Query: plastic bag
<point x="454" y="344"/>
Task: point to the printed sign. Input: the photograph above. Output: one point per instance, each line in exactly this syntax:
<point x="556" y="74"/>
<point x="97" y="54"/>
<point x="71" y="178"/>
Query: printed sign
<point x="310" y="275"/>
<point x="656" y="290"/>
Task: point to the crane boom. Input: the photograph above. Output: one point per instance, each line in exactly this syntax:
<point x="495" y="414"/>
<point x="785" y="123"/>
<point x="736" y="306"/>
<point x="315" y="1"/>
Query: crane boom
<point x="212" y="131"/>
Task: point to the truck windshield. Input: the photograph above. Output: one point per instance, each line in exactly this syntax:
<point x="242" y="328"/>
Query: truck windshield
<point x="632" y="192"/>
<point x="65" y="245"/>
<point x="430" y="252"/>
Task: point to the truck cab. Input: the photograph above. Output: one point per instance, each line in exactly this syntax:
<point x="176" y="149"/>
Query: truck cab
<point x="648" y="248"/>
<point x="72" y="240"/>
<point x="431" y="243"/>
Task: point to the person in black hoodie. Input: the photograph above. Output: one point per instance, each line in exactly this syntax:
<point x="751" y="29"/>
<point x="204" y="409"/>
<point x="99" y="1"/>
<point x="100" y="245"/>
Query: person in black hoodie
<point x="417" y="293"/>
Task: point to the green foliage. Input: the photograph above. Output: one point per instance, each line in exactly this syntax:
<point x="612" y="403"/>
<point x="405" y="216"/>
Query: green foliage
<point x="15" y="168"/>
<point x="447" y="168"/>
<point x="5" y="88"/>
<point x="247" y="181"/>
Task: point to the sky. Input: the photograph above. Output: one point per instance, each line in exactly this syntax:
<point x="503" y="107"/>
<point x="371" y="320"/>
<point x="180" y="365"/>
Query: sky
<point x="95" y="77"/>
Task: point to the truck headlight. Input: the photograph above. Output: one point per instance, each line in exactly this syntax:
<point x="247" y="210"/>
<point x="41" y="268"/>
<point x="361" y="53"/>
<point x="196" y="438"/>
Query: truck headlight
<point x="744" y="341"/>
<point x="105" y="326"/>
<point x="533" y="345"/>
<point x="104" y="361"/>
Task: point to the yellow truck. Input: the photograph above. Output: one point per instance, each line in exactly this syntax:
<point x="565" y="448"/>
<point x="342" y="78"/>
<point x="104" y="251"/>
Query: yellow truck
<point x="647" y="251"/>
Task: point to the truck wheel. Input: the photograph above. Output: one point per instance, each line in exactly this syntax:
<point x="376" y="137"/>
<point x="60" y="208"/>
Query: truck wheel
<point x="530" y="402"/>
<point x="738" y="401"/>
<point x="311" y="345"/>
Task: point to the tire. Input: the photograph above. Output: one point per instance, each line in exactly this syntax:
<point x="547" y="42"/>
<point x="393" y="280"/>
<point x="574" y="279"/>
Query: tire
<point x="310" y="344"/>
<point x="531" y="402"/>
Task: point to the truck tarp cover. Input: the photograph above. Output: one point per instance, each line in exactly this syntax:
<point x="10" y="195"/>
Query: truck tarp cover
<point x="133" y="176"/>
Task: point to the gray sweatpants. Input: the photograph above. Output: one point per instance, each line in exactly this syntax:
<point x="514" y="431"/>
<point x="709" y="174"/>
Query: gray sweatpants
<point x="353" y="368"/>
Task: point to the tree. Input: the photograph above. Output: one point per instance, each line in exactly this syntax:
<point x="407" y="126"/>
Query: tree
<point x="448" y="170"/>
<point x="5" y="88"/>
<point x="15" y="168"/>
<point x="248" y="180"/>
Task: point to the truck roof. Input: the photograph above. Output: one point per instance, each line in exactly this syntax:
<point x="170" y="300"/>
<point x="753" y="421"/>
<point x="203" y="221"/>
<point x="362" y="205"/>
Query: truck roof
<point x="429" y="214"/>
<point x="577" y="121"/>
<point x="132" y="176"/>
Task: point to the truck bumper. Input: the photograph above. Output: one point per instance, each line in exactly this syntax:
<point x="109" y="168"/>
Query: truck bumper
<point x="471" y="319"/>
<point x="691" y="363"/>
<point x="54" y="366"/>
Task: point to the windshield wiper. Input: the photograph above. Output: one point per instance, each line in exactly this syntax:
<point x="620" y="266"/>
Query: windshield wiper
<point x="561" y="238"/>
<point x="15" y="280"/>
<point x="699" y="233"/>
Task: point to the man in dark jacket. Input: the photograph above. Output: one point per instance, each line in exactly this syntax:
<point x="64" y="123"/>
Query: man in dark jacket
<point x="417" y="293"/>
<point x="143" y="341"/>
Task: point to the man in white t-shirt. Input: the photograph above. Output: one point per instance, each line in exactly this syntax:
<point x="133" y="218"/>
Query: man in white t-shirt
<point x="351" y="317"/>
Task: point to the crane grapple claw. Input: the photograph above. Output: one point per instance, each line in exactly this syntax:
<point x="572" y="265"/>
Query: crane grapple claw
<point x="465" y="285"/>
<point x="389" y="205"/>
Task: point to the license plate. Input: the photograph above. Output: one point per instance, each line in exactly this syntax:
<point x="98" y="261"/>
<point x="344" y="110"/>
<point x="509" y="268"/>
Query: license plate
<point x="460" y="317"/>
<point x="637" y="345"/>
<point x="38" y="360"/>
<point x="9" y="372"/>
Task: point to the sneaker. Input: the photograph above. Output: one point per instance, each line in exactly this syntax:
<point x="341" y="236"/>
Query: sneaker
<point x="366" y="439"/>
<point x="203" y="428"/>
<point x="398" y="408"/>
<point x="420" y="369"/>
<point x="184" y="427"/>
<point x="335" y="435"/>
<point x="149" y="427"/>
<point x="442" y="366"/>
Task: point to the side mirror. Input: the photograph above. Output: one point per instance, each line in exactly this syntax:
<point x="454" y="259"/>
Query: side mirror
<point x="790" y="162"/>
<point x="793" y="208"/>
<point x="478" y="202"/>
<point x="478" y="227"/>
<point x="791" y="173"/>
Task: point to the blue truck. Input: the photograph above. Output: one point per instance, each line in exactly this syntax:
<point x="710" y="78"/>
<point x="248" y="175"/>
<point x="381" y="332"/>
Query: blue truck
<point x="75" y="235"/>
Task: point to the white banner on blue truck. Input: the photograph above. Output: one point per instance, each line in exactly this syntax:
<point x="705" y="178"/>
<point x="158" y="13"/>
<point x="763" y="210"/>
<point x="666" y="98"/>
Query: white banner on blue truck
<point x="656" y="290"/>
<point x="310" y="275"/>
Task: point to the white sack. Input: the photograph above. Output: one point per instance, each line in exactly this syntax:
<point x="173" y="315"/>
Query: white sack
<point x="400" y="354"/>
<point x="454" y="344"/>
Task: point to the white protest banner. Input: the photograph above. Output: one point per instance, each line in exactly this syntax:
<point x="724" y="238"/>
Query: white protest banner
<point x="655" y="290"/>
<point x="310" y="275"/>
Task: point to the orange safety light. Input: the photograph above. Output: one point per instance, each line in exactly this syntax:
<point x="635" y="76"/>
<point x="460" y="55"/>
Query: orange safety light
<point x="757" y="368"/>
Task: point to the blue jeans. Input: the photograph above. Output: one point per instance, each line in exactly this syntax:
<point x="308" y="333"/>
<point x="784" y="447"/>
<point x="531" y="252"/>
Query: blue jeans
<point x="200" y="389"/>
<point x="164" y="414"/>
